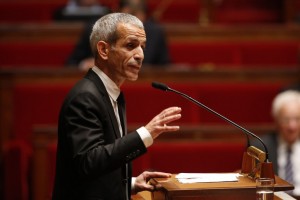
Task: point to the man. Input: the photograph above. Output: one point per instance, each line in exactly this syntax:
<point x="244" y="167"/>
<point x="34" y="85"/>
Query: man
<point x="285" y="143"/>
<point x="94" y="152"/>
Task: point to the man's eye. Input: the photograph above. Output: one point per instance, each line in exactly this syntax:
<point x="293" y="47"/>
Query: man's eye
<point x="130" y="45"/>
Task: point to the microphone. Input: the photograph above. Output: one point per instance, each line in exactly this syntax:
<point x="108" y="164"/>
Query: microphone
<point x="164" y="87"/>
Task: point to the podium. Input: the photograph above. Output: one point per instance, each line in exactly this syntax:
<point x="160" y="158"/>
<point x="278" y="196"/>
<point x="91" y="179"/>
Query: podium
<point x="243" y="189"/>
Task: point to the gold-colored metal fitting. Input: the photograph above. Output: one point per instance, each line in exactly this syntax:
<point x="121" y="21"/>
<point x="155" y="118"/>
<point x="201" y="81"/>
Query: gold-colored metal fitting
<point x="256" y="153"/>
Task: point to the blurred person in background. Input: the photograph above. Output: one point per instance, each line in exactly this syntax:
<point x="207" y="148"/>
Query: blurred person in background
<point x="284" y="144"/>
<point x="81" y="10"/>
<point x="156" y="51"/>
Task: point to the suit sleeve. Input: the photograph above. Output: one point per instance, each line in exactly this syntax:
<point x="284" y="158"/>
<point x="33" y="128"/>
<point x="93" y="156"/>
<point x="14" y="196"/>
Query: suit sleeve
<point x="91" y="137"/>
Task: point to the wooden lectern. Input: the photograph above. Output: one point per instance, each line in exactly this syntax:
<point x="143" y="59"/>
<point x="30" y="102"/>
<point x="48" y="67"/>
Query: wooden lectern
<point x="243" y="189"/>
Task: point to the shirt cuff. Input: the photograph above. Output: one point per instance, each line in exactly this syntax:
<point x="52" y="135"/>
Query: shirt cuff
<point x="133" y="183"/>
<point x="145" y="136"/>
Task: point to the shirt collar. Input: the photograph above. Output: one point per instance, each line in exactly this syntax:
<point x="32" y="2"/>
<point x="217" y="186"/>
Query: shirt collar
<point x="283" y="145"/>
<point x="112" y="89"/>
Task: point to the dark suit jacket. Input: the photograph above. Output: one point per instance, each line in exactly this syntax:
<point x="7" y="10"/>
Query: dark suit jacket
<point x="91" y="155"/>
<point x="271" y="141"/>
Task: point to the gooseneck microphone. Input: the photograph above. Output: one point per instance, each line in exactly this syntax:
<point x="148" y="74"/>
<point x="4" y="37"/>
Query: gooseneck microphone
<point x="164" y="87"/>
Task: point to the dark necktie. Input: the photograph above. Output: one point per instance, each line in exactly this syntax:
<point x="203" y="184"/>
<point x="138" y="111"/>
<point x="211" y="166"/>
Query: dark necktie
<point x="122" y="115"/>
<point x="122" y="112"/>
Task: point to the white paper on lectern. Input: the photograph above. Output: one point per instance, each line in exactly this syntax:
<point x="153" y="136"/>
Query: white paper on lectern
<point x="207" y="177"/>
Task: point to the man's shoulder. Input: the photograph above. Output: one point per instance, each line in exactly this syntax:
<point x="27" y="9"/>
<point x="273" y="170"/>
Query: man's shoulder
<point x="90" y="83"/>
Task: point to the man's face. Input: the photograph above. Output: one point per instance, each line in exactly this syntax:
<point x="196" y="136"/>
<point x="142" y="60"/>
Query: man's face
<point x="126" y="56"/>
<point x="289" y="122"/>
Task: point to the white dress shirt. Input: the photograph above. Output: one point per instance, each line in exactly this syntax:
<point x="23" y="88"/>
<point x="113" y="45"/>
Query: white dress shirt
<point x="295" y="159"/>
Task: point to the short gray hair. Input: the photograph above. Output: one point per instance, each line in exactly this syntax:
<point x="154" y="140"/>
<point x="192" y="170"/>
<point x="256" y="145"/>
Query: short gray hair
<point x="282" y="99"/>
<point x="105" y="29"/>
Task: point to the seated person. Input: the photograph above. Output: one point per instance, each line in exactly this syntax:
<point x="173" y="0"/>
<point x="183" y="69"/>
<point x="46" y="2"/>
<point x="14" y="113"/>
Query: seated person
<point x="81" y="10"/>
<point x="285" y="141"/>
<point x="156" y="52"/>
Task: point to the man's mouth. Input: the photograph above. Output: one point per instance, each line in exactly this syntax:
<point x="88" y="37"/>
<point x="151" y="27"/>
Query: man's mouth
<point x="135" y="66"/>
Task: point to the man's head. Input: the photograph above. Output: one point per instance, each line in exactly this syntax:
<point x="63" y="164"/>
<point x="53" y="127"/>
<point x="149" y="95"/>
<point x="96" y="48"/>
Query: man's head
<point x="286" y="113"/>
<point x="117" y="41"/>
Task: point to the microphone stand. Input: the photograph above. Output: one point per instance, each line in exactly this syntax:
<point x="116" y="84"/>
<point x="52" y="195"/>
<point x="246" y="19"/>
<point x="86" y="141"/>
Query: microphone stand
<point x="265" y="167"/>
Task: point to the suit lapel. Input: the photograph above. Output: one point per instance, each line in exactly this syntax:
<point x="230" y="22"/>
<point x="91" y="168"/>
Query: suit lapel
<point x="91" y="75"/>
<point x="112" y="117"/>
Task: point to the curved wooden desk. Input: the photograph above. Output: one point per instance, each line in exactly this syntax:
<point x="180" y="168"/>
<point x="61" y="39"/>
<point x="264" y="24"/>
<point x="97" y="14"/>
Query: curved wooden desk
<point x="243" y="189"/>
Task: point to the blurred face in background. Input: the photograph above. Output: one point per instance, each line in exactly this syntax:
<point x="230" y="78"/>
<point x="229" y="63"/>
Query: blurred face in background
<point x="87" y="3"/>
<point x="288" y="121"/>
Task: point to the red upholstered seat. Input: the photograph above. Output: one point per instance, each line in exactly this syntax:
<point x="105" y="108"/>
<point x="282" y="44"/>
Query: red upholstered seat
<point x="244" y="103"/>
<point x="34" y="54"/>
<point x="248" y="11"/>
<point x="36" y="104"/>
<point x="176" y="11"/>
<point x="195" y="53"/>
<point x="28" y="11"/>
<point x="264" y="54"/>
<point x="144" y="102"/>
<point x="270" y="54"/>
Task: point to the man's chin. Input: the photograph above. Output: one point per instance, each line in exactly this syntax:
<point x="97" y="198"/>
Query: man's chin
<point x="132" y="76"/>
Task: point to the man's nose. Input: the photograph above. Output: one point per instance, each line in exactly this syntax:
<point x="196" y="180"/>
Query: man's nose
<point x="139" y="53"/>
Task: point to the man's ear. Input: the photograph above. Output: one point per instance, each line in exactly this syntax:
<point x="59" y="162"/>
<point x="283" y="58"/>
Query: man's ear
<point x="102" y="48"/>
